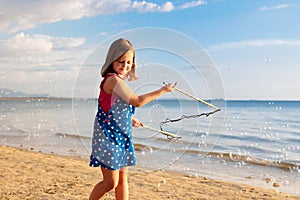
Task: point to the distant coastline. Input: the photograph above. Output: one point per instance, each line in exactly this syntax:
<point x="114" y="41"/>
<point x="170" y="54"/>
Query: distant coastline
<point x="33" y="98"/>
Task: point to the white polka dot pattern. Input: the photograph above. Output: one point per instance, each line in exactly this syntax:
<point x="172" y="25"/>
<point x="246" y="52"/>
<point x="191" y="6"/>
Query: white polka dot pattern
<point x="112" y="146"/>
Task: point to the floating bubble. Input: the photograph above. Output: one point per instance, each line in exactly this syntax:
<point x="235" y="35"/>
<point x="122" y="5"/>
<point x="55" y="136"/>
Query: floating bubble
<point x="62" y="135"/>
<point x="173" y="151"/>
<point x="2" y="116"/>
<point x="286" y="182"/>
<point x="229" y="68"/>
<point x="156" y="113"/>
<point x="236" y="117"/>
<point x="253" y="144"/>
<point x="267" y="60"/>
<point x="175" y="159"/>
<point x="36" y="135"/>
<point x="147" y="150"/>
<point x="240" y="164"/>
<point x="223" y="162"/>
<point x="243" y="133"/>
<point x="186" y="169"/>
<point x="235" y="157"/>
<point x="160" y="184"/>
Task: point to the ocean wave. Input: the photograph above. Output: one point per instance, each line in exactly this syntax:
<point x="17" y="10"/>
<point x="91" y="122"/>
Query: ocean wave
<point x="292" y="133"/>
<point x="256" y="161"/>
<point x="248" y="138"/>
<point x="22" y="131"/>
<point x="142" y="147"/>
<point x="293" y="140"/>
<point x="227" y="156"/>
<point x="70" y="135"/>
<point x="13" y="130"/>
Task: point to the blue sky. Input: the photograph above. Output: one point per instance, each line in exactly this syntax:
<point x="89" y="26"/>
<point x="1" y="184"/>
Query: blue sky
<point x="255" y="44"/>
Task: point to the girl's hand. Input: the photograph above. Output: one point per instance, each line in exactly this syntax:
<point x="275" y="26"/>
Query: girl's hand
<point x="136" y="123"/>
<point x="169" y="87"/>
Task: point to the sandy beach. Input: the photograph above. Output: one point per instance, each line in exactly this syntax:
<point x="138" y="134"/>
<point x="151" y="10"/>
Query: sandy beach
<point x="26" y="174"/>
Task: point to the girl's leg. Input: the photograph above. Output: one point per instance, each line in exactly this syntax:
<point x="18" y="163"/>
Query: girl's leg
<point x="110" y="182"/>
<point x="121" y="190"/>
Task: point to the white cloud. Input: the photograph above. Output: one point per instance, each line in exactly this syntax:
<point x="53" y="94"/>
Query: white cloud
<point x="25" y="43"/>
<point x="167" y="7"/>
<point x="143" y="6"/>
<point x="37" y="61"/>
<point x="66" y="42"/>
<point x="31" y="63"/>
<point x="192" y="4"/>
<point x="39" y="43"/>
<point x="103" y="7"/>
<point x="21" y="15"/>
<point x="254" y="43"/>
<point x="29" y="51"/>
<point x="277" y="7"/>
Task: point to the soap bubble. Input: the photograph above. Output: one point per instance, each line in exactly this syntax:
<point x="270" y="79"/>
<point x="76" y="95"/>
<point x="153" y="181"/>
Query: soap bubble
<point x="157" y="41"/>
<point x="147" y="150"/>
<point x="235" y="156"/>
<point x="268" y="60"/>
<point x="286" y="182"/>
<point x="229" y="67"/>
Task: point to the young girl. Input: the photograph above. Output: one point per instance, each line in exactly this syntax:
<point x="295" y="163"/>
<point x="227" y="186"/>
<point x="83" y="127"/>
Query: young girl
<point x="112" y="148"/>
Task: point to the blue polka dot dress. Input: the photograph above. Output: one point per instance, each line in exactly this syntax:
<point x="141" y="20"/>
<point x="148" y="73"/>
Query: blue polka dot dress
<point x="112" y="146"/>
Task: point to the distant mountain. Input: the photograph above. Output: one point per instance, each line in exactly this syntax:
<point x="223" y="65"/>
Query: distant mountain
<point x="15" y="93"/>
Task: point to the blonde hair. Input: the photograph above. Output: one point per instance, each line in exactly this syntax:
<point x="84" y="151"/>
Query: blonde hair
<point x="117" y="49"/>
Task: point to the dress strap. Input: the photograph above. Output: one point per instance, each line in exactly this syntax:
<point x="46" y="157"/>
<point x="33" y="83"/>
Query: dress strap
<point x="106" y="100"/>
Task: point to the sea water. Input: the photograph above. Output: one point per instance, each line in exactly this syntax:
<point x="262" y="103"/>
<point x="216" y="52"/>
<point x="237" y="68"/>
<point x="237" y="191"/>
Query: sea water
<point x="254" y="142"/>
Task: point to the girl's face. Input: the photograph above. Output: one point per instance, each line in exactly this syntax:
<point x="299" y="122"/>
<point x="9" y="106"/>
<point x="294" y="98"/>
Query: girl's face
<point x="123" y="64"/>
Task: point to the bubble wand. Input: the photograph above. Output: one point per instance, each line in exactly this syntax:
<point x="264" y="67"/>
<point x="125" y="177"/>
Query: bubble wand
<point x="170" y="135"/>
<point x="190" y="116"/>
<point x="197" y="99"/>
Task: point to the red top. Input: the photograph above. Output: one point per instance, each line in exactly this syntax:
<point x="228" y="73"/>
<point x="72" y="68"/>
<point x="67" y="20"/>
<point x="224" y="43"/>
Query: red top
<point x="106" y="100"/>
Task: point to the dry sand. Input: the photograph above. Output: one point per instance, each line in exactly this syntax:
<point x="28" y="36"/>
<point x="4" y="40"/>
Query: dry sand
<point x="25" y="174"/>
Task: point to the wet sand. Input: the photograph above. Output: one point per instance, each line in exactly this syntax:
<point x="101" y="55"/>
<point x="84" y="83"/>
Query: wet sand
<point x="25" y="174"/>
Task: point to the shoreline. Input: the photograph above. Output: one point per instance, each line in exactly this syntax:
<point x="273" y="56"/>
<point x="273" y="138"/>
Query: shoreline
<point x="36" y="175"/>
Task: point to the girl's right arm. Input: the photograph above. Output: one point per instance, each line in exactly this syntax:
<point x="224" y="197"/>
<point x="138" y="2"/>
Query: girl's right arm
<point x="116" y="85"/>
